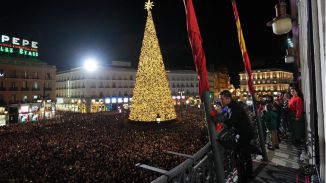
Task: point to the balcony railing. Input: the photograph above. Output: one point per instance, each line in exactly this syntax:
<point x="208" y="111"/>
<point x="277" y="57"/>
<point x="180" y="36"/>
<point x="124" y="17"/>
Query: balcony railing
<point x="196" y="168"/>
<point x="24" y="89"/>
<point x="13" y="89"/>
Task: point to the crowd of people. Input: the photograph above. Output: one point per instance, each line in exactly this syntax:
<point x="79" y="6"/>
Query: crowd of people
<point x="101" y="147"/>
<point x="283" y="117"/>
<point x="105" y="146"/>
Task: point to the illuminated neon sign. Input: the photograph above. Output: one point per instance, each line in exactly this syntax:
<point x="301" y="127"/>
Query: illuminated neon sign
<point x="14" y="45"/>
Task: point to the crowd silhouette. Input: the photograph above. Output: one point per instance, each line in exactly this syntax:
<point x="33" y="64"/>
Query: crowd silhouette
<point x="97" y="147"/>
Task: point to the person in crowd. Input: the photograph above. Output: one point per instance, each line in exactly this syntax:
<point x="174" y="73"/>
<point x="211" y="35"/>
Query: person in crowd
<point x="237" y="118"/>
<point x="269" y="99"/>
<point x="278" y="104"/>
<point x="295" y="106"/>
<point x="270" y="118"/>
<point x="285" y="115"/>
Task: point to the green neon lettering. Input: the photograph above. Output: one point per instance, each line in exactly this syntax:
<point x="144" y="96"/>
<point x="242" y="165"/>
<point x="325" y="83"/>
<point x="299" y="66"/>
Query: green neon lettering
<point x="21" y="51"/>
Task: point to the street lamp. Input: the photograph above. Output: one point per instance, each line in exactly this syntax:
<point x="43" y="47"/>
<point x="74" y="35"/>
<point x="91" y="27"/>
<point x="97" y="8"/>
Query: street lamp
<point x="290" y="55"/>
<point x="181" y="92"/>
<point x="43" y="101"/>
<point x="282" y="23"/>
<point x="90" y="64"/>
<point x="158" y="118"/>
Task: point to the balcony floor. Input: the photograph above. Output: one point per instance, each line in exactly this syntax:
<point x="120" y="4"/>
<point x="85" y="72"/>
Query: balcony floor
<point x="282" y="167"/>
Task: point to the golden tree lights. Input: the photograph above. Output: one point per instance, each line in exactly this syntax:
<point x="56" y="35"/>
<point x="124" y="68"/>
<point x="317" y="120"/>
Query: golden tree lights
<point x="151" y="95"/>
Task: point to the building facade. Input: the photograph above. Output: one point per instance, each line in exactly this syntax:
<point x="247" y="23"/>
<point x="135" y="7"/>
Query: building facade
<point x="24" y="84"/>
<point x="220" y="80"/>
<point x="111" y="86"/>
<point x="266" y="82"/>
<point x="309" y="38"/>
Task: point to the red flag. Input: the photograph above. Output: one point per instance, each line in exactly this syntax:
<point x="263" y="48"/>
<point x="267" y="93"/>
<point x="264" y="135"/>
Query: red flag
<point x="245" y="56"/>
<point x="196" y="47"/>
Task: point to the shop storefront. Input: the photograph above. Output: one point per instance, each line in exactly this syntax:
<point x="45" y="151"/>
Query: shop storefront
<point x="33" y="112"/>
<point x="71" y="105"/>
<point x="97" y="105"/>
<point x="3" y="116"/>
<point x="49" y="110"/>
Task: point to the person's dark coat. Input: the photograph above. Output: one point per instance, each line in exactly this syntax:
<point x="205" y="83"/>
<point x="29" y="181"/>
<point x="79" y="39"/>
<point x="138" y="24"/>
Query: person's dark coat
<point x="239" y="120"/>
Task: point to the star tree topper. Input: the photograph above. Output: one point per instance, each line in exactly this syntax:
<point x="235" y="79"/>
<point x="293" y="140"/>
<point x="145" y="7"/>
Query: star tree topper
<point x="149" y="5"/>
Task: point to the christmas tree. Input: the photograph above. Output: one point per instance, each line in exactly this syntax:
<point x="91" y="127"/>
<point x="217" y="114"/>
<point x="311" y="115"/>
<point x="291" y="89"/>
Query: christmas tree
<point x="152" y="96"/>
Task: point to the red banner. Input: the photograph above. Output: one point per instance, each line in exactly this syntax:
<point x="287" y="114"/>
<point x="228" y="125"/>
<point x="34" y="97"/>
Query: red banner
<point x="196" y="47"/>
<point x="245" y="56"/>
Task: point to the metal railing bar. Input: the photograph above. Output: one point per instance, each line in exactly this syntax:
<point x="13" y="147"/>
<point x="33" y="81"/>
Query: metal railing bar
<point x="154" y="169"/>
<point x="179" y="154"/>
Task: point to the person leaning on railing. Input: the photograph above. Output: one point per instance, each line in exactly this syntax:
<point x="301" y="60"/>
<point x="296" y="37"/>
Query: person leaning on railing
<point x="237" y="118"/>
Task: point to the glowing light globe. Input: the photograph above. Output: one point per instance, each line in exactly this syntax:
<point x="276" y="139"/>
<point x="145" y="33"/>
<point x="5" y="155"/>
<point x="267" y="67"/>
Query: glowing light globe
<point x="90" y="65"/>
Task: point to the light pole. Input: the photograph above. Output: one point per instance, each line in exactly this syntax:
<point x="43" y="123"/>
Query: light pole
<point x="43" y="102"/>
<point x="181" y="92"/>
<point x="90" y="65"/>
<point x="158" y="120"/>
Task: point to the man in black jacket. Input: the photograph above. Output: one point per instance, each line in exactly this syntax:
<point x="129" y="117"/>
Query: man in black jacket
<point x="238" y="119"/>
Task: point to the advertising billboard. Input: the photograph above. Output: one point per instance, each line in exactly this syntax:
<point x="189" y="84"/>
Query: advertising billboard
<point x="18" y="46"/>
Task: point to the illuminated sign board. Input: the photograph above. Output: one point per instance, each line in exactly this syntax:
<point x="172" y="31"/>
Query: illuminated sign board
<point x="18" y="46"/>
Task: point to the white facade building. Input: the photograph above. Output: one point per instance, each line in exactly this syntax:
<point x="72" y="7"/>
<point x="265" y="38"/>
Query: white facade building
<point x="82" y="91"/>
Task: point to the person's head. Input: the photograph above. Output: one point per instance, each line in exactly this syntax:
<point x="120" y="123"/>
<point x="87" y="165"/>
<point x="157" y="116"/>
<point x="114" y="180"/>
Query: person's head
<point x="226" y="97"/>
<point x="218" y="107"/>
<point x="286" y="96"/>
<point x="289" y="89"/>
<point x="269" y="99"/>
<point x="294" y="91"/>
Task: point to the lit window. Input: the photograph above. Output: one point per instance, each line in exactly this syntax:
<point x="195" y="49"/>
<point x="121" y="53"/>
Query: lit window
<point x="119" y="100"/>
<point x="125" y="100"/>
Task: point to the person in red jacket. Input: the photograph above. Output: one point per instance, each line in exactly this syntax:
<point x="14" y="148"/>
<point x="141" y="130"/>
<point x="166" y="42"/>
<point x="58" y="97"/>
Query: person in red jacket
<point x="295" y="106"/>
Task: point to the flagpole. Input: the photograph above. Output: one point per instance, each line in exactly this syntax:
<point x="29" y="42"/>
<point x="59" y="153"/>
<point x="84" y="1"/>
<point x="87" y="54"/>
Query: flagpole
<point x="260" y="128"/>
<point x="247" y="66"/>
<point x="200" y="62"/>
<point x="219" y="169"/>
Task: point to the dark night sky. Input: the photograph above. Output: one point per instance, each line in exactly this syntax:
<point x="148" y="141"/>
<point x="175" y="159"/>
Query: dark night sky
<point x="68" y="31"/>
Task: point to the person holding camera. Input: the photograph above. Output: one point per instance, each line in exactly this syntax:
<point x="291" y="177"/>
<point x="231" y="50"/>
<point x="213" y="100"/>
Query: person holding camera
<point x="237" y="118"/>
